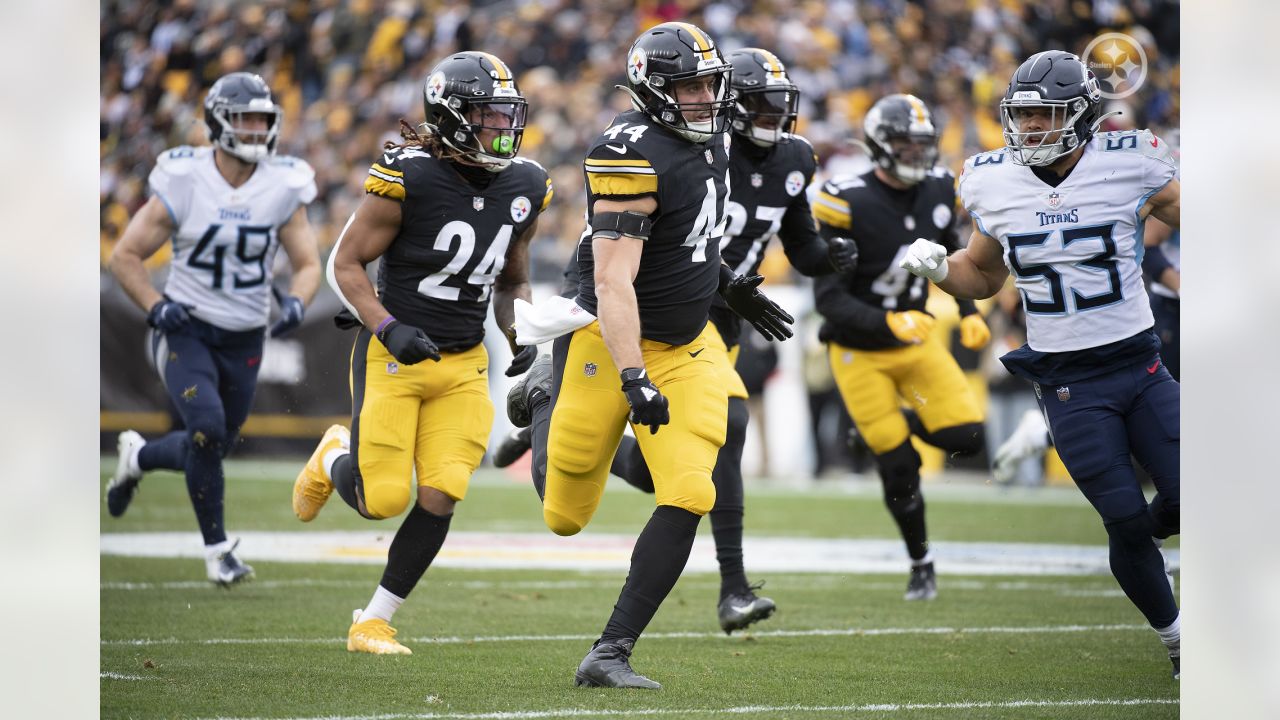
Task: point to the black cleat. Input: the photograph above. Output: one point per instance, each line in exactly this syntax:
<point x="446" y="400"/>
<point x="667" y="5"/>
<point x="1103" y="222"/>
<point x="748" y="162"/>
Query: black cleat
<point x="739" y="610"/>
<point x="1177" y="665"/>
<point x="513" y="447"/>
<point x="522" y="394"/>
<point x="226" y="569"/>
<point x="609" y="665"/>
<point x="923" y="584"/>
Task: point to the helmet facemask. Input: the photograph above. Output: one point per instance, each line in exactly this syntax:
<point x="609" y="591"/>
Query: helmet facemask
<point x="249" y="145"/>
<point x="488" y="131"/>
<point x="1042" y="147"/>
<point x="672" y="113"/>
<point x="767" y="116"/>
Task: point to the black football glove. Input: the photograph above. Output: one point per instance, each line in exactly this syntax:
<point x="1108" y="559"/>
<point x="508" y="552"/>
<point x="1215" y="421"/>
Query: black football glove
<point x="648" y="406"/>
<point x="408" y="344"/>
<point x="741" y="295"/>
<point x="843" y="254"/>
<point x="523" y="359"/>
<point x="168" y="316"/>
<point x="291" y="312"/>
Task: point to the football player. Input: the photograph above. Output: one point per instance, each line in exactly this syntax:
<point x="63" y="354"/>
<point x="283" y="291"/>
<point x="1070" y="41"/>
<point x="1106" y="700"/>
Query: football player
<point x="227" y="209"/>
<point x="879" y="336"/>
<point x="1062" y="207"/>
<point x="769" y="169"/>
<point x="650" y="268"/>
<point x="451" y="214"/>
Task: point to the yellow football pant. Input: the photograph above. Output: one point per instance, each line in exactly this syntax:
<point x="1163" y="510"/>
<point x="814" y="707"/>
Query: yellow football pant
<point x="432" y="418"/>
<point x="591" y="412"/>
<point x="727" y="359"/>
<point x="874" y="383"/>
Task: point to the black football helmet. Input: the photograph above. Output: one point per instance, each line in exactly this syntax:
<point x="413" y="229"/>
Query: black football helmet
<point x="764" y="93"/>
<point x="472" y="92"/>
<point x="1060" y="82"/>
<point x="231" y="97"/>
<point x="906" y="120"/>
<point x="663" y="56"/>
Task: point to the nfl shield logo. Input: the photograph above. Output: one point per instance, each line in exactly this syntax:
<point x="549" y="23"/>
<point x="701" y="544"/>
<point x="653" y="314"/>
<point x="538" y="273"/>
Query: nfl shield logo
<point x="1054" y="200"/>
<point x="757" y="179"/>
<point x="711" y="159"/>
<point x="1064" y="393"/>
<point x="589" y="369"/>
<point x="477" y="203"/>
<point x="393" y="368"/>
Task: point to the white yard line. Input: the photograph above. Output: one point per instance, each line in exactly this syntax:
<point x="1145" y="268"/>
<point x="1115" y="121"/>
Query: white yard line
<point x="816" y="632"/>
<point x="105" y="675"/>
<point x="747" y="710"/>
<point x="607" y="551"/>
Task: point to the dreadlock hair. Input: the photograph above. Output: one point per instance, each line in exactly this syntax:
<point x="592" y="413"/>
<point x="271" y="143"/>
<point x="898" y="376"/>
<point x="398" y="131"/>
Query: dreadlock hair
<point x="430" y="142"/>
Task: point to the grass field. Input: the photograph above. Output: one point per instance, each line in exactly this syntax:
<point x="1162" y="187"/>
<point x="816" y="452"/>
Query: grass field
<point x="503" y="643"/>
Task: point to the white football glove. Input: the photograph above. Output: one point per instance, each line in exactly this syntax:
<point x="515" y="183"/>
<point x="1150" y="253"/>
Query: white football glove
<point x="926" y="259"/>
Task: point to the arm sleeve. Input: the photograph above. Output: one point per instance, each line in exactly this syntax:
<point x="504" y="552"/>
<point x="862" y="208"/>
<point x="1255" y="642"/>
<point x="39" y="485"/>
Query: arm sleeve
<point x="834" y="302"/>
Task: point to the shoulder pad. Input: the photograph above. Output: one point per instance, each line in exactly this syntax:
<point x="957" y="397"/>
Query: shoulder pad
<point x="539" y="178"/>
<point x="983" y="159"/>
<point x="180" y="160"/>
<point x="1153" y="147"/>
<point x="804" y="150"/>
<point x="297" y="172"/>
<point x="387" y="173"/>
<point x="830" y="206"/>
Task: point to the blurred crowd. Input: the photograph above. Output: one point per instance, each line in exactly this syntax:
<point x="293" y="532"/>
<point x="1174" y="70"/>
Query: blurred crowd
<point x="347" y="71"/>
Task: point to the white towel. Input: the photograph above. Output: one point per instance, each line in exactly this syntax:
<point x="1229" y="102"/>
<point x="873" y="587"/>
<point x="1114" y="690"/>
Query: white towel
<point x="549" y="319"/>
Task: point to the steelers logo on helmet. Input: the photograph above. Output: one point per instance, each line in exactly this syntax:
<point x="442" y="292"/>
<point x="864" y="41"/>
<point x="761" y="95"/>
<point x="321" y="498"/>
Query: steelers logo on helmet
<point x="637" y="64"/>
<point x="520" y="209"/>
<point x="435" y="87"/>
<point x="795" y="182"/>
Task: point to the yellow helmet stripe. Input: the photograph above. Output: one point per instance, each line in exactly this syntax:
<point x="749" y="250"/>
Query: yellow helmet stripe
<point x="774" y="64"/>
<point x="704" y="43"/>
<point x="918" y="108"/>
<point x="504" y="73"/>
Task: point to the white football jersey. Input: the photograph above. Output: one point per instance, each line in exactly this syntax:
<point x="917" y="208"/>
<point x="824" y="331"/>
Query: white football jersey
<point x="227" y="237"/>
<point x="1075" y="251"/>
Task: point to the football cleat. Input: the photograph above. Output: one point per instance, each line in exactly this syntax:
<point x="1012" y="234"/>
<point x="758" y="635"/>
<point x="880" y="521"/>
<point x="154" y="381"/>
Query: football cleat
<point x="923" y="584"/>
<point x="513" y="447"/>
<point x="314" y="486"/>
<point x="225" y="569"/>
<point x="609" y="665"/>
<point x="1177" y="665"/>
<point x="1030" y="437"/>
<point x="523" y="393"/>
<point x="373" y="636"/>
<point x="739" y="610"/>
<point x="124" y="483"/>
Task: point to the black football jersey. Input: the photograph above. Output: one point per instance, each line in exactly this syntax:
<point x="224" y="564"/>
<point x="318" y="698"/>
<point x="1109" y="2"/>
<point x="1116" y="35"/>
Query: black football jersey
<point x="680" y="265"/>
<point x="439" y="270"/>
<point x="883" y="221"/>
<point x="767" y="198"/>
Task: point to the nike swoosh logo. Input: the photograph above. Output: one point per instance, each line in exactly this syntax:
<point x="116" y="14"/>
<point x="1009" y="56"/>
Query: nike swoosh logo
<point x="1152" y="370"/>
<point x="621" y="149"/>
<point x="480" y="371"/>
<point x="696" y="354"/>
<point x="1155" y="141"/>
<point x="742" y="608"/>
<point x="387" y="159"/>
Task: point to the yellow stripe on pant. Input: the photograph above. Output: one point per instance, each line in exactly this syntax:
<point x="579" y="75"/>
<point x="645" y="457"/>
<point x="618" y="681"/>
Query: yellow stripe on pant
<point x="591" y="413"/>
<point x="432" y="418"/>
<point x="874" y="383"/>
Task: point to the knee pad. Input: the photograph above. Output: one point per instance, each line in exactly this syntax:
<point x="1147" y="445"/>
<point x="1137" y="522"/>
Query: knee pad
<point x="1132" y="536"/>
<point x="696" y="496"/>
<point x="900" y="472"/>
<point x="559" y="524"/>
<point x="960" y="440"/>
<point x="387" y="499"/>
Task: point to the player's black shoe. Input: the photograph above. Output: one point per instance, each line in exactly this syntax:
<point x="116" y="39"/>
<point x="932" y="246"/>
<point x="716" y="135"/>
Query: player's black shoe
<point x="609" y="665"/>
<point x="1177" y="665"/>
<point x="225" y="569"/>
<point x="923" y="584"/>
<point x="512" y="447"/>
<point x="739" y="610"/>
<point x="520" y="398"/>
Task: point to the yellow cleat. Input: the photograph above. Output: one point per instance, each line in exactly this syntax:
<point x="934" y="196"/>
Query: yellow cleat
<point x="313" y="487"/>
<point x="373" y="636"/>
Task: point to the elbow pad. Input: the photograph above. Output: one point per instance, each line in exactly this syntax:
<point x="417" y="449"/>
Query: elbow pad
<point x="613" y="225"/>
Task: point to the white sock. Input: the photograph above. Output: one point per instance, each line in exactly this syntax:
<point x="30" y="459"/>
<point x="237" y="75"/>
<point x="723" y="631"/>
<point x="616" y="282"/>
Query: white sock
<point x="330" y="458"/>
<point x="382" y="605"/>
<point x="1172" y="636"/>
<point x="928" y="558"/>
